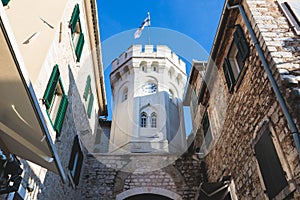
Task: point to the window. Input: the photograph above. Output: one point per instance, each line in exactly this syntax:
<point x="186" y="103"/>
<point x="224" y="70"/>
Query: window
<point x="178" y="79"/>
<point x="171" y="94"/>
<point x="153" y="120"/>
<point x="143" y="120"/>
<point x="5" y="2"/>
<point x="206" y="130"/>
<point x="291" y="9"/>
<point x="125" y="94"/>
<point x="149" y="88"/>
<point x="236" y="57"/>
<point x="143" y="66"/>
<point x="55" y="100"/>
<point x="269" y="164"/>
<point x="76" y="160"/>
<point x="155" y="66"/>
<point x="194" y="100"/>
<point x="88" y="95"/>
<point x="76" y="32"/>
<point x="171" y="72"/>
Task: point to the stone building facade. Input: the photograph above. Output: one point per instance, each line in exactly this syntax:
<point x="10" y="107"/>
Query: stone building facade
<point x="59" y="47"/>
<point x="167" y="176"/>
<point x="247" y="112"/>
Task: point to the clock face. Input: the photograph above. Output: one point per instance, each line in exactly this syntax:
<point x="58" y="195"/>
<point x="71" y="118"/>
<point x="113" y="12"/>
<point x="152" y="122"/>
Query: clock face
<point x="149" y="88"/>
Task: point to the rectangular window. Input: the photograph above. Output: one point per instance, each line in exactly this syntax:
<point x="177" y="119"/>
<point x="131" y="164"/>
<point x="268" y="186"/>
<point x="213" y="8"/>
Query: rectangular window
<point x="76" y="160"/>
<point x="291" y="9"/>
<point x="194" y="99"/>
<point x="55" y="100"/>
<point x="269" y="164"/>
<point x="206" y="130"/>
<point x="76" y="31"/>
<point x="236" y="57"/>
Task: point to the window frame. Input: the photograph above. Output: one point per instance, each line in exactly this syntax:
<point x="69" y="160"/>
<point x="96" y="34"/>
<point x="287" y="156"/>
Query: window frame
<point x="51" y="99"/>
<point x="292" y="17"/>
<point x="76" y="32"/>
<point x="239" y="48"/>
<point x="153" y="120"/>
<point x="207" y="130"/>
<point x="266" y="125"/>
<point x="143" y="120"/>
<point x="75" y="167"/>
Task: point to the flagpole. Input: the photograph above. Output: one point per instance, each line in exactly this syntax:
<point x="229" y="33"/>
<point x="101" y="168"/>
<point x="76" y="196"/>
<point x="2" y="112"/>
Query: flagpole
<point x="149" y="35"/>
<point x="148" y="16"/>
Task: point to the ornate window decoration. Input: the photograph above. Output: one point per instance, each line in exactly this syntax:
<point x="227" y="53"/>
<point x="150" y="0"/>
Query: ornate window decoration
<point x="153" y="120"/>
<point x="143" y="120"/>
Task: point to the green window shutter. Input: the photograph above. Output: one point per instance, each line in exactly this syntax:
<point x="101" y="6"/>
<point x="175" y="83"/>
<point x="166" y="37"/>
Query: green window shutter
<point x="5" y="2"/>
<point x="241" y="43"/>
<point x="74" y="18"/>
<point x="229" y="76"/>
<point x="90" y="106"/>
<point x="79" y="47"/>
<point x="51" y="87"/>
<point x="76" y="150"/>
<point x="87" y="88"/>
<point x="61" y="114"/>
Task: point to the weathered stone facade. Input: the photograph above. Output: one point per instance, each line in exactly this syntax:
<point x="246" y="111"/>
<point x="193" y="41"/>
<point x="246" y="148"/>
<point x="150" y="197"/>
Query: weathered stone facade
<point x="252" y="105"/>
<point x="107" y="176"/>
<point x="73" y="77"/>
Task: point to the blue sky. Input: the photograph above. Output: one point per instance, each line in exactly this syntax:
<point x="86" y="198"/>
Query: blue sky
<point x="188" y="27"/>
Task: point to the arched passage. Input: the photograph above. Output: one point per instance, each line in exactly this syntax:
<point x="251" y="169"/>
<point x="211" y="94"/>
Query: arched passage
<point x="145" y="193"/>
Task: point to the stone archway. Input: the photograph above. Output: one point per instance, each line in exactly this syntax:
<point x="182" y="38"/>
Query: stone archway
<point x="148" y="192"/>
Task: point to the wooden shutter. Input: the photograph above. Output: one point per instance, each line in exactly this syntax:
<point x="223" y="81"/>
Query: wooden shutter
<point x="61" y="114"/>
<point x="229" y="76"/>
<point x="269" y="164"/>
<point x="76" y="150"/>
<point x="5" y="2"/>
<point x="79" y="47"/>
<point x="51" y="87"/>
<point x="74" y="18"/>
<point x="90" y="105"/>
<point x="87" y="88"/>
<point x="241" y="43"/>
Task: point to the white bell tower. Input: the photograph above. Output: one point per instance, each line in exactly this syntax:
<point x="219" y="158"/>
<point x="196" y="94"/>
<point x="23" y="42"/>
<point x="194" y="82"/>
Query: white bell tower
<point x="147" y="87"/>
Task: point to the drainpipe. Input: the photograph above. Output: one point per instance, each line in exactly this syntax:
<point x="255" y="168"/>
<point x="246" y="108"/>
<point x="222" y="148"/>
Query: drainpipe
<point x="274" y="85"/>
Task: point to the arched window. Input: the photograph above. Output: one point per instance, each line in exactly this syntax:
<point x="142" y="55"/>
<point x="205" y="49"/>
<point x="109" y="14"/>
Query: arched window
<point x="125" y="94"/>
<point x="143" y="119"/>
<point x="171" y="72"/>
<point x="154" y="66"/>
<point x="153" y="120"/>
<point x="143" y="66"/>
<point x="171" y="94"/>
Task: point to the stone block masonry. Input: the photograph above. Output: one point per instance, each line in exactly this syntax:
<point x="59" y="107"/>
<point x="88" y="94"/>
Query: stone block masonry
<point x="105" y="176"/>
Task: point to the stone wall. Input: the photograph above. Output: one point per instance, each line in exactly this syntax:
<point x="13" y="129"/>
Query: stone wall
<point x="106" y="175"/>
<point x="253" y="101"/>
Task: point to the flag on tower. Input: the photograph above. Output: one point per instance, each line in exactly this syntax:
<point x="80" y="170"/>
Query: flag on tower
<point x="146" y="22"/>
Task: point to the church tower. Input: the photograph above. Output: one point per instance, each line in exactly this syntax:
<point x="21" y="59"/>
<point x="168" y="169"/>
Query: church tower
<point x="147" y="87"/>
